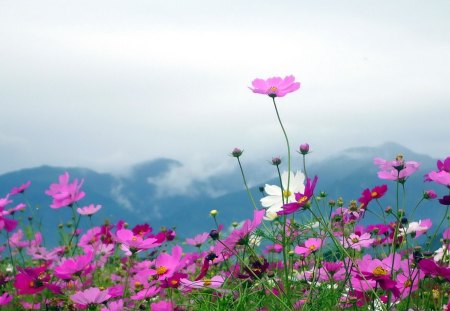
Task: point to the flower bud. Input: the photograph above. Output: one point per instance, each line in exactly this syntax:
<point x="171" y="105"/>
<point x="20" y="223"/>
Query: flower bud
<point x="276" y="161"/>
<point x="237" y="152"/>
<point x="429" y="195"/>
<point x="213" y="213"/>
<point x="304" y="149"/>
<point x="235" y="224"/>
<point x="214" y="234"/>
<point x="388" y="210"/>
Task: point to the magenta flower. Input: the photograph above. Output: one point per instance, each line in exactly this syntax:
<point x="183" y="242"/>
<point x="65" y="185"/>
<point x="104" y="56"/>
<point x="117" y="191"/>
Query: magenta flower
<point x="5" y="298"/>
<point x="430" y="267"/>
<point x="166" y="264"/>
<point x="379" y="271"/>
<point x="241" y="235"/>
<point x="368" y="195"/>
<point x="311" y="246"/>
<point x="65" y="194"/>
<point x="90" y="296"/>
<point x="114" y="306"/>
<point x="30" y="281"/>
<point x="162" y="306"/>
<point x="276" y="86"/>
<point x="131" y="243"/>
<point x="429" y="195"/>
<point x="301" y="199"/>
<point x="79" y="265"/>
<point x="304" y="149"/>
<point x="20" y="189"/>
<point x="396" y="170"/>
<point x="89" y="210"/>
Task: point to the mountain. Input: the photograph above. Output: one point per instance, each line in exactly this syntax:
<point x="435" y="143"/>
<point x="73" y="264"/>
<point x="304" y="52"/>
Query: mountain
<point x="144" y="194"/>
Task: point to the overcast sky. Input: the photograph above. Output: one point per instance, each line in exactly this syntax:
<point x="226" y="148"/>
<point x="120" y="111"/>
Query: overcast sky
<point x="106" y="84"/>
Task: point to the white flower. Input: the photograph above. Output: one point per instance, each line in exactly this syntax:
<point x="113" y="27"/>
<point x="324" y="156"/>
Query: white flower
<point x="413" y="227"/>
<point x="439" y="254"/>
<point x="274" y="199"/>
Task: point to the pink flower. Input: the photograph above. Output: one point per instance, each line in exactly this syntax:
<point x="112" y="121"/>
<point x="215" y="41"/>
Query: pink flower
<point x="396" y="170"/>
<point x="311" y="245"/>
<point x="276" y="86"/>
<point x="80" y="265"/>
<point x="20" y="189"/>
<point x="90" y="296"/>
<point x="131" y="243"/>
<point x="214" y="282"/>
<point x="430" y="267"/>
<point x="114" y="306"/>
<point x="162" y="306"/>
<point x="65" y="194"/>
<point x="357" y="242"/>
<point x="166" y="264"/>
<point x="301" y="199"/>
<point x="240" y="235"/>
<point x="442" y="176"/>
<point x="429" y="195"/>
<point x="379" y="271"/>
<point x="198" y="240"/>
<point x="89" y="210"/>
<point x="5" y="298"/>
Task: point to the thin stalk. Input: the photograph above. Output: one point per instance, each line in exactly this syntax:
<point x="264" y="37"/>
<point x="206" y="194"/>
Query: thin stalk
<point x="245" y="183"/>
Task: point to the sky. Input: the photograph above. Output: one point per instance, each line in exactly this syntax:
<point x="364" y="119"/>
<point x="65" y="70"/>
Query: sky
<point x="108" y="84"/>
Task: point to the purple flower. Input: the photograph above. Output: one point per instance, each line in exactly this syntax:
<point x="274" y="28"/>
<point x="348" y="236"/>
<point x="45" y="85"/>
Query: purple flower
<point x="445" y="200"/>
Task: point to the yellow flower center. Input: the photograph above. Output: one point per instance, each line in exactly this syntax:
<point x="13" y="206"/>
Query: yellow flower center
<point x="287" y="193"/>
<point x="161" y="270"/>
<point x="312" y="248"/>
<point x="31" y="284"/>
<point x="303" y="199"/>
<point x="174" y="282"/>
<point x="355" y="240"/>
<point x="207" y="282"/>
<point x="380" y="271"/>
<point x="373" y="194"/>
<point x="408" y="283"/>
<point x="272" y="90"/>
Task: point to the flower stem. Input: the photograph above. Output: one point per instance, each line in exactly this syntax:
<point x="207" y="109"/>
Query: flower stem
<point x="246" y="186"/>
<point x="287" y="143"/>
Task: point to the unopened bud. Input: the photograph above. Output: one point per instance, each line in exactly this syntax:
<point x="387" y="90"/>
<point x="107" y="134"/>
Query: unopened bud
<point x="276" y="161"/>
<point x="236" y="152"/>
<point x="214" y="234"/>
<point x="304" y="149"/>
<point x="213" y="213"/>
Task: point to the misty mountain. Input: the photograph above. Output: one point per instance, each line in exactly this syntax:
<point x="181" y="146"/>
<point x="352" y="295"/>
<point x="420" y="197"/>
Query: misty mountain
<point x="144" y="193"/>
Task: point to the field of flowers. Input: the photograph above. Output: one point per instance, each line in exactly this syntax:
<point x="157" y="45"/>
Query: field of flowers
<point x="300" y="251"/>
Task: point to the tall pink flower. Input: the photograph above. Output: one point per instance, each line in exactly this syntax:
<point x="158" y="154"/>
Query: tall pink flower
<point x="65" y="193"/>
<point x="276" y="86"/>
<point x="397" y="169"/>
<point x="198" y="240"/>
<point x="358" y="241"/>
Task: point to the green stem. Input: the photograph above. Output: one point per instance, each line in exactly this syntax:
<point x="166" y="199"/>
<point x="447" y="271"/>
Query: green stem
<point x="287" y="142"/>
<point x="245" y="183"/>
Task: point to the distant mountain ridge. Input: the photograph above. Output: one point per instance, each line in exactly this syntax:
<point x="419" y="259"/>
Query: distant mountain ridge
<point x="134" y="196"/>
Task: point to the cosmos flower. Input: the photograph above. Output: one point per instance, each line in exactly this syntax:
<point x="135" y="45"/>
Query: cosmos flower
<point x="442" y="176"/>
<point x="131" y="243"/>
<point x="301" y="199"/>
<point x="198" y="240"/>
<point x="276" y="86"/>
<point x="89" y="210"/>
<point x="90" y="296"/>
<point x="311" y="245"/>
<point x="65" y="193"/>
<point x="273" y="202"/>
<point x="368" y="195"/>
<point x="357" y="242"/>
<point x="397" y="169"/>
<point x="20" y="189"/>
